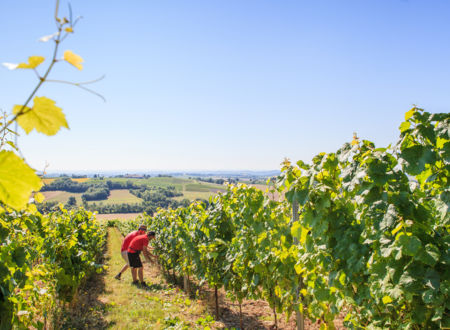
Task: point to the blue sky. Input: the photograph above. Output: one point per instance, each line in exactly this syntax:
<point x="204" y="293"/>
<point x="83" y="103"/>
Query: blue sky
<point x="220" y="85"/>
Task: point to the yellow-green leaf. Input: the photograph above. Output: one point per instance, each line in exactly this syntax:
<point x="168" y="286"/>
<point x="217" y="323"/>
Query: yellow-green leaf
<point x="355" y="140"/>
<point x="39" y="198"/>
<point x="32" y="208"/>
<point x="404" y="126"/>
<point x="45" y="117"/>
<point x="387" y="300"/>
<point x="396" y="229"/>
<point x="299" y="269"/>
<point x="17" y="108"/>
<point x="17" y="180"/>
<point x="410" y="113"/>
<point x="68" y="29"/>
<point x="73" y="59"/>
<point x="441" y="142"/>
<point x="33" y="62"/>
<point x="299" y="232"/>
<point x="296" y="229"/>
<point x="303" y="236"/>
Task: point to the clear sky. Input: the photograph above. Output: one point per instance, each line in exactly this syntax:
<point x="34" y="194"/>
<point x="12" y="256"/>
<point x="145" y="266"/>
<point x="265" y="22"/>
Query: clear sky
<point x="227" y="84"/>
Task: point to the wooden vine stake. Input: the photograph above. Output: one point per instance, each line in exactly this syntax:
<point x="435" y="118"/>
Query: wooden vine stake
<point x="216" y="298"/>
<point x="275" y="317"/>
<point x="274" y="311"/>
<point x="241" y="324"/>
<point x="298" y="314"/>
<point x="186" y="284"/>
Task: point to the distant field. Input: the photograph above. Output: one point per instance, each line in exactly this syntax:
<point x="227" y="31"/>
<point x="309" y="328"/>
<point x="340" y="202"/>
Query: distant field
<point x="198" y="187"/>
<point x="117" y="196"/>
<point x="193" y="195"/>
<point x="178" y="183"/>
<point x="190" y="188"/>
<point x="119" y="216"/>
<point x="50" y="180"/>
<point x="61" y="196"/>
<point x="81" y="179"/>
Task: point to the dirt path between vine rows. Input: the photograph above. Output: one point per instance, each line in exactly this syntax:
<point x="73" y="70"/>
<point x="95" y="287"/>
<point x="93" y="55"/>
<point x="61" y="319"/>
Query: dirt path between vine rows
<point x="106" y="303"/>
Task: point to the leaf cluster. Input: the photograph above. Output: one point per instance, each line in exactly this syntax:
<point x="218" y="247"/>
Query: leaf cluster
<point x="44" y="260"/>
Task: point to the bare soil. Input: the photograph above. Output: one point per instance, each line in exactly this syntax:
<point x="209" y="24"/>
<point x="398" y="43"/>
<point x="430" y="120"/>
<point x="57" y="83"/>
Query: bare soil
<point x="120" y="216"/>
<point x="256" y="314"/>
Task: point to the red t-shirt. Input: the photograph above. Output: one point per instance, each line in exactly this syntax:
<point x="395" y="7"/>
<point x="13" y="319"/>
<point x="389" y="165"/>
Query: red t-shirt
<point x="127" y="240"/>
<point x="138" y="243"/>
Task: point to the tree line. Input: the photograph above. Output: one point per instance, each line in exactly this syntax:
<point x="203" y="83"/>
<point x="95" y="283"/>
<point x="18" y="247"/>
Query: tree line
<point x="153" y="197"/>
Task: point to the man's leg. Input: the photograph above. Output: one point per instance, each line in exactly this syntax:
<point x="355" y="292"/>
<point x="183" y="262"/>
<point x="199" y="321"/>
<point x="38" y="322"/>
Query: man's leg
<point x="141" y="278"/>
<point x="125" y="257"/>
<point x="124" y="269"/>
<point x="141" y="274"/>
<point x="134" y="273"/>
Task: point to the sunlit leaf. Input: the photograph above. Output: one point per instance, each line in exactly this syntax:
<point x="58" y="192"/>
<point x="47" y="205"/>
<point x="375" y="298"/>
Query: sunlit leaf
<point x="404" y="126"/>
<point x="39" y="198"/>
<point x="410" y="113"/>
<point x="33" y="62"/>
<point x="387" y="300"/>
<point x="299" y="269"/>
<point x="296" y="229"/>
<point x="73" y="59"/>
<point x="68" y="29"/>
<point x="20" y="109"/>
<point x="32" y="208"/>
<point x="45" y="117"/>
<point x="355" y="140"/>
<point x="396" y="229"/>
<point x="17" y="180"/>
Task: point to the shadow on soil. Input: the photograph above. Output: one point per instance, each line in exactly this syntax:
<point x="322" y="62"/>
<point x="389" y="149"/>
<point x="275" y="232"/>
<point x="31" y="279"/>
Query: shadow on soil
<point x="87" y="311"/>
<point x="227" y="310"/>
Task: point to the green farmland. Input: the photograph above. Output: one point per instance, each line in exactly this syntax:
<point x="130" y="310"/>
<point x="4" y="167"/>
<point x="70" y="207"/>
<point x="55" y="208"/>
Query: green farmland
<point x="190" y="188"/>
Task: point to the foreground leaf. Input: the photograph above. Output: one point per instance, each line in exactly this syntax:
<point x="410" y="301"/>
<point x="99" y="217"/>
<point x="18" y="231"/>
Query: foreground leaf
<point x="73" y="59"/>
<point x="17" y="180"/>
<point x="33" y="62"/>
<point x="387" y="300"/>
<point x="45" y="117"/>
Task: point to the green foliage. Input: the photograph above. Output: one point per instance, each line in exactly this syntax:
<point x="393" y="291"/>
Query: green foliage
<point x="377" y="222"/>
<point x="372" y="235"/>
<point x="17" y="180"/>
<point x="44" y="259"/>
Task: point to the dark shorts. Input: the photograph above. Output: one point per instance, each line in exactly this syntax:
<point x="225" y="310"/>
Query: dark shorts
<point x="135" y="260"/>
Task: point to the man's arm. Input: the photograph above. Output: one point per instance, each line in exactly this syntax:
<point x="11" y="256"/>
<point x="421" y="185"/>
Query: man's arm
<point x="148" y="256"/>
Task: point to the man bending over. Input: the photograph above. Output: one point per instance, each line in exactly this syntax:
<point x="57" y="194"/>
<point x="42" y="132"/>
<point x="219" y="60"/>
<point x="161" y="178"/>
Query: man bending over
<point x="138" y="244"/>
<point x="124" y="249"/>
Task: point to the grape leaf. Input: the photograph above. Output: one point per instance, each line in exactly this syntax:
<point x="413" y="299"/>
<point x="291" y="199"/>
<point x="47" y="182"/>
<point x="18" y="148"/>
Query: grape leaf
<point x="45" y="117"/>
<point x="73" y="59"/>
<point x="17" y="180"/>
<point x="33" y="62"/>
